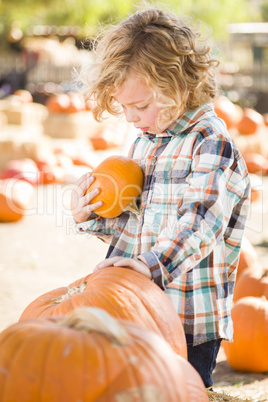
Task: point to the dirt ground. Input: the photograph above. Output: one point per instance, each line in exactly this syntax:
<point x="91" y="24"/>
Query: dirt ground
<point x="43" y="251"/>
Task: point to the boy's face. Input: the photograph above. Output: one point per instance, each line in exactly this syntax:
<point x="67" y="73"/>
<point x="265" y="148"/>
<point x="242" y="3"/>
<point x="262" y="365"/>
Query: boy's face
<point x="139" y="104"/>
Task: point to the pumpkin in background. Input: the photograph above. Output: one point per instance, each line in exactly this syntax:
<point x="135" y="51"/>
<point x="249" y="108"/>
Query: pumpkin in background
<point x="265" y="119"/>
<point x="256" y="162"/>
<point x="15" y="198"/>
<point x="124" y="294"/>
<point x="120" y="180"/>
<point x="77" y="103"/>
<point x="108" y="137"/>
<point x="251" y="122"/>
<point x="21" y="169"/>
<point x="248" y="351"/>
<point x="251" y="282"/>
<point x="90" y="356"/>
<point x="229" y="112"/>
<point x="256" y="187"/>
<point x="58" y="103"/>
<point x="70" y="102"/>
<point x="50" y="173"/>
<point x="248" y="257"/>
<point x="24" y="95"/>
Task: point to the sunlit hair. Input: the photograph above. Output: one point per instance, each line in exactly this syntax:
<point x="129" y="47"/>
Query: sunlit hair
<point x="161" y="49"/>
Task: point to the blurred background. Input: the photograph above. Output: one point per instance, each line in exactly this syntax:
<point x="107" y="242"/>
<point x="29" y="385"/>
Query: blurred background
<point x="42" y="42"/>
<point x="49" y="138"/>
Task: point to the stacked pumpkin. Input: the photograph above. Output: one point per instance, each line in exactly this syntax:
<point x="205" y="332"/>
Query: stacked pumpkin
<point x="111" y="336"/>
<point x="248" y="351"/>
<point x="70" y="116"/>
<point x="246" y="126"/>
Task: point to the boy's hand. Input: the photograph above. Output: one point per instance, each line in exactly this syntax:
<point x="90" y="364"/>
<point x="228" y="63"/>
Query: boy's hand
<point x="80" y="208"/>
<point x="136" y="265"/>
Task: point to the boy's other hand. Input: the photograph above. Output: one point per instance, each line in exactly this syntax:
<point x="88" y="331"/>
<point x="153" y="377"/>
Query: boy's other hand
<point x="124" y="262"/>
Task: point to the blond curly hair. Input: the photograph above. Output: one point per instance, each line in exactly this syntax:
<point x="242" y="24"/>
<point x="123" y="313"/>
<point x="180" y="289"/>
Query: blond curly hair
<point x="159" y="48"/>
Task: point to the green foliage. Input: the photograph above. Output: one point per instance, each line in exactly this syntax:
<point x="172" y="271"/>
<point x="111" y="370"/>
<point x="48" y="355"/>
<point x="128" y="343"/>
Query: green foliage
<point x="88" y="14"/>
<point x="264" y="10"/>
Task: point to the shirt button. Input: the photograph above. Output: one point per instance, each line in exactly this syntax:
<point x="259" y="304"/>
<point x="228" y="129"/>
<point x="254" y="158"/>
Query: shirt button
<point x="154" y="159"/>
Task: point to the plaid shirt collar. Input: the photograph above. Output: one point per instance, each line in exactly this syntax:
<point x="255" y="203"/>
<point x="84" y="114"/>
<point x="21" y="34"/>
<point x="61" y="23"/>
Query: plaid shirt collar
<point x="184" y="122"/>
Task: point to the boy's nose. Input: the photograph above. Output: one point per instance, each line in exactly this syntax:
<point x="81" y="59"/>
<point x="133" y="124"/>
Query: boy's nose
<point x="131" y="116"/>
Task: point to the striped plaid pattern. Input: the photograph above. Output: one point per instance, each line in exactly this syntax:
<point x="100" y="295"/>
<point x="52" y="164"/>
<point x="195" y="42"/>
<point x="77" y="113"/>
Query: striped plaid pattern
<point x="191" y="218"/>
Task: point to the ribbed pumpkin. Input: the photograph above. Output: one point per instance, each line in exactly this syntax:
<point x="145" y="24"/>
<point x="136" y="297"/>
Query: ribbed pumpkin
<point x="251" y="282"/>
<point x="248" y="352"/>
<point x="124" y="294"/>
<point x="120" y="180"/>
<point x="90" y="356"/>
<point x="15" y="198"/>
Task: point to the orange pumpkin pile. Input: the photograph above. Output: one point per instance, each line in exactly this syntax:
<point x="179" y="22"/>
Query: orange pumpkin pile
<point x="120" y="180"/>
<point x="246" y="121"/>
<point x="246" y="125"/>
<point x="90" y="356"/>
<point x="113" y="335"/>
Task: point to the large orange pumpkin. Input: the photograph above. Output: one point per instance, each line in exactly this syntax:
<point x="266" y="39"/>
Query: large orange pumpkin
<point x="251" y="122"/>
<point x="90" y="356"/>
<point x="251" y="282"/>
<point x="248" y="351"/>
<point x="15" y="198"/>
<point x="120" y="180"/>
<point x="121" y="292"/>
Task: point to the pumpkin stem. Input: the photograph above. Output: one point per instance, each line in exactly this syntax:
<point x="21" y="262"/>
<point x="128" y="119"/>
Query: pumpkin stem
<point x="93" y="319"/>
<point x="71" y="291"/>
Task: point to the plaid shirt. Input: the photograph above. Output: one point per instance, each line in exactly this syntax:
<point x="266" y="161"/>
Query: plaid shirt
<point x="190" y="220"/>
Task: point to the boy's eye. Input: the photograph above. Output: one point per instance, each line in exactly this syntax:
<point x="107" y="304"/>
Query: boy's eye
<point x="142" y="107"/>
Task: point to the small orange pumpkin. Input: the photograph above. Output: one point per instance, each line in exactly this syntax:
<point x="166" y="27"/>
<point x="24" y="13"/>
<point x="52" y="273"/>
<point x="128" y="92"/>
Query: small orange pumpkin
<point x="121" y="292"/>
<point x="90" y="356"/>
<point x="251" y="282"/>
<point x="15" y="198"/>
<point x="251" y="122"/>
<point x="248" y="351"/>
<point x="120" y="180"/>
